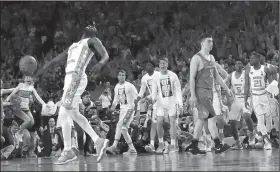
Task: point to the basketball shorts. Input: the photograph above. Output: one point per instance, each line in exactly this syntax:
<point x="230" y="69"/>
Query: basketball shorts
<point x="216" y="103"/>
<point x="170" y="111"/>
<point x="260" y="104"/>
<point x="126" y="117"/>
<point x="274" y="108"/>
<point x="237" y="109"/>
<point x="73" y="90"/>
<point x="61" y="118"/>
<point x="205" y="103"/>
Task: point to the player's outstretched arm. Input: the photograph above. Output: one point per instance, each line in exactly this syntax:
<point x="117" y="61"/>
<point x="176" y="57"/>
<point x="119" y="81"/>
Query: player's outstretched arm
<point x="55" y="61"/>
<point x="7" y="91"/>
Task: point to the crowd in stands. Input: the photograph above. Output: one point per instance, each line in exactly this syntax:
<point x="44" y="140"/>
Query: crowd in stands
<point x="132" y="32"/>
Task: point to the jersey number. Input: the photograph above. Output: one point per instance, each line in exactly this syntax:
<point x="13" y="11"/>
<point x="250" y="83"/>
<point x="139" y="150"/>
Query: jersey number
<point x="239" y="90"/>
<point x="257" y="83"/>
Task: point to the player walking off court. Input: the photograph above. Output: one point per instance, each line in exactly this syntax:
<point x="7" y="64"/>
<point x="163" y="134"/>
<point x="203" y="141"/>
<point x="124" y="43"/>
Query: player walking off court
<point x="78" y="56"/>
<point x="203" y="72"/>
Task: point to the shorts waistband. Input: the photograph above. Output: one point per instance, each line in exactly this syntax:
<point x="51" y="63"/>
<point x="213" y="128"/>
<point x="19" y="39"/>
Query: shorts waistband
<point x="254" y="94"/>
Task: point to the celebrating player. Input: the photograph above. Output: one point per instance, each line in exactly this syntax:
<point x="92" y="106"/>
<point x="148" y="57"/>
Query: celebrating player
<point x="146" y="83"/>
<point x="167" y="93"/>
<point x="125" y="95"/>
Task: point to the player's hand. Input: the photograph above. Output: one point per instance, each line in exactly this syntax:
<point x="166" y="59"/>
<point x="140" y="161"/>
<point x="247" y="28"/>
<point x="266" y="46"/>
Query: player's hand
<point x="229" y="93"/>
<point x="193" y="101"/>
<point x="247" y="105"/>
<point x="113" y="108"/>
<point x="180" y="109"/>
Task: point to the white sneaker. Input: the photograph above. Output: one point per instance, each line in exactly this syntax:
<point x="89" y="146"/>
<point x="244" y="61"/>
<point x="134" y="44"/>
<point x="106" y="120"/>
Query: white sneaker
<point x="267" y="145"/>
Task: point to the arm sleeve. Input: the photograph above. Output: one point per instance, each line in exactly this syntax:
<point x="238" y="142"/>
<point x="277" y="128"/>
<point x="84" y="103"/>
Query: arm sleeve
<point x="154" y="88"/>
<point x="178" y="90"/>
<point x="116" y="97"/>
<point x="142" y="89"/>
<point x="133" y="91"/>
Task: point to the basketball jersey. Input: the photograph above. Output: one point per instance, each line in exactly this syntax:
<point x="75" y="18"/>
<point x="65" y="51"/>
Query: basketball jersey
<point x="238" y="84"/>
<point x="147" y="80"/>
<point x="79" y="55"/>
<point x="257" y="79"/>
<point x="125" y="95"/>
<point x="205" y="77"/>
<point x="168" y="89"/>
<point x="25" y="92"/>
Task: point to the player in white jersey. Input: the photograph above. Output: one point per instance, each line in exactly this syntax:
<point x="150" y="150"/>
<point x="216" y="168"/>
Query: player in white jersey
<point x="167" y="93"/>
<point x="126" y="96"/>
<point x="220" y="109"/>
<point x="78" y="56"/>
<point x="236" y="81"/>
<point x="146" y="83"/>
<point x="255" y="82"/>
<point x="21" y="102"/>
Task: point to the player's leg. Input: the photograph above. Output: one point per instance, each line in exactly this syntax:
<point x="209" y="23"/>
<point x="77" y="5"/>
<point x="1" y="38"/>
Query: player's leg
<point x="112" y="149"/>
<point x="219" y="118"/>
<point x="261" y="105"/>
<point x="28" y="120"/>
<point x="160" y="129"/>
<point x="153" y="132"/>
<point x="250" y="124"/>
<point x="125" y="125"/>
<point x="234" y="117"/>
<point x="172" y="112"/>
<point x="209" y="140"/>
<point x="205" y="98"/>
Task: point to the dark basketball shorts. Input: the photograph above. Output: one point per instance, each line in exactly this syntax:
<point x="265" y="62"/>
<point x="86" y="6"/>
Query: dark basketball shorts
<point x="205" y="103"/>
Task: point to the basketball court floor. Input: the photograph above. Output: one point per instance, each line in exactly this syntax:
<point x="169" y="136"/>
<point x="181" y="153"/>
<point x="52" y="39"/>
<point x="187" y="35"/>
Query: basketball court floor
<point x="233" y="160"/>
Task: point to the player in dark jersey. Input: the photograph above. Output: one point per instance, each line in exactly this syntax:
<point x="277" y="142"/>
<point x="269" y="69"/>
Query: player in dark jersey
<point x="203" y="72"/>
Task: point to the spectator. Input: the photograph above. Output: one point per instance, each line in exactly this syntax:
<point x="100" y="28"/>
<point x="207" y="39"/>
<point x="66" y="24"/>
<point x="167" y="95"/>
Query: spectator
<point x="51" y="140"/>
<point x="10" y="148"/>
<point x="105" y="100"/>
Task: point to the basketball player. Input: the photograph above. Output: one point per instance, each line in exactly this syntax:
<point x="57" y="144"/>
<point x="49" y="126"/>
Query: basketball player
<point x="146" y="83"/>
<point x="256" y="78"/>
<point x="24" y="91"/>
<point x="273" y="102"/>
<point x="203" y="73"/>
<point x="78" y="56"/>
<point x="167" y="93"/>
<point x="236" y="81"/>
<point x="125" y="95"/>
<point x="221" y="110"/>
